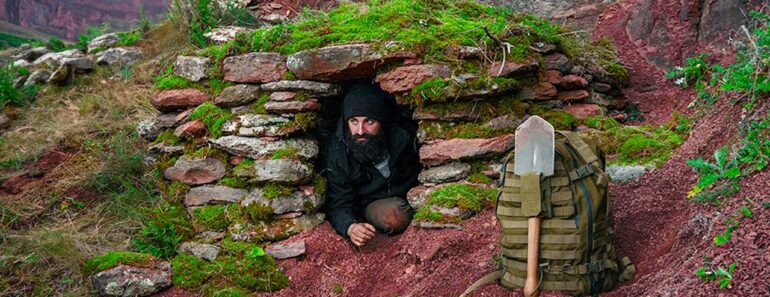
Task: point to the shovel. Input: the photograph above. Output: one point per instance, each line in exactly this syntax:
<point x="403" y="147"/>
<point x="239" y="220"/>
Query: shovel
<point x="533" y="159"/>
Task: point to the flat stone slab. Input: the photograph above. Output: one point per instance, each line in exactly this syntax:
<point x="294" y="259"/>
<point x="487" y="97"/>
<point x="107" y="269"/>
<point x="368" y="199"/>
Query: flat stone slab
<point x="286" y="250"/>
<point x="208" y="252"/>
<point x="194" y="171"/>
<point x="285" y="171"/>
<point x="171" y="100"/>
<point x="446" y="173"/>
<point x="255" y="68"/>
<point x="257" y="148"/>
<point x="282" y="107"/>
<point x="340" y="62"/>
<point x="127" y="280"/>
<point x="192" y="68"/>
<point x="464" y="149"/>
<point x="405" y="78"/>
<point x="260" y="125"/>
<point x="296" y="202"/>
<point x="237" y="95"/>
<point x="513" y="69"/>
<point x="212" y="194"/>
<point x="320" y="89"/>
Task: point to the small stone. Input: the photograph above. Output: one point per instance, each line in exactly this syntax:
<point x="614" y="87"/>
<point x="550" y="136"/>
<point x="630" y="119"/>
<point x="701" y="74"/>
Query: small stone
<point x="170" y="100"/>
<point x="542" y="91"/>
<point x="513" y="69"/>
<point x="575" y="95"/>
<point x="5" y="121"/>
<point x="626" y="173"/>
<point x="80" y="65"/>
<point x="557" y="61"/>
<point x="194" y="171"/>
<point x="543" y="48"/>
<point x="63" y="75"/>
<point x="165" y="149"/>
<point x="282" y="96"/>
<point x="405" y="78"/>
<point x="282" y="107"/>
<point x="103" y="42"/>
<point x="572" y="82"/>
<point x="192" y="68"/>
<point x="127" y="280"/>
<point x="582" y="111"/>
<point x="119" y="56"/>
<point x="237" y="95"/>
<point x="315" y="88"/>
<point x="213" y="194"/>
<point x="258" y="67"/>
<point x="210" y="236"/>
<point x="192" y="129"/>
<point x="446" y="173"/>
<point x="21" y="63"/>
<point x="601" y="87"/>
<point x="208" y="252"/>
<point x="260" y="125"/>
<point x="287" y="171"/>
<point x="51" y="61"/>
<point x="599" y="99"/>
<point x="553" y="77"/>
<point x="286" y="250"/>
<point x="37" y="77"/>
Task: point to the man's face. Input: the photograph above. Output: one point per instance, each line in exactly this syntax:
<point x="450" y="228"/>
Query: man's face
<point x="362" y="128"/>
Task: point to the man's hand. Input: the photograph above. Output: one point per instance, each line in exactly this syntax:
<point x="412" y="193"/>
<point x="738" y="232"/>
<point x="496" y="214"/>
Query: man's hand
<point x="360" y="233"/>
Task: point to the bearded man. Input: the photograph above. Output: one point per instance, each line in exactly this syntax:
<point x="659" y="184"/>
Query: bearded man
<point x="371" y="163"/>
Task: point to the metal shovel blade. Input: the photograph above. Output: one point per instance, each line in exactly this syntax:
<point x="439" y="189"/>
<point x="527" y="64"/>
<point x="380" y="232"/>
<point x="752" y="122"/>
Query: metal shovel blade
<point x="534" y="147"/>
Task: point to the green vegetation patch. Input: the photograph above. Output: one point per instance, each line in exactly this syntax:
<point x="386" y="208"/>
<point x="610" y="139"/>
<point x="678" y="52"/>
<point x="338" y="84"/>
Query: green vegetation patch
<point x="234" y="182"/>
<point x="601" y="122"/>
<point x="162" y="230"/>
<point x="560" y="119"/>
<point x="217" y="217"/>
<point x="319" y="185"/>
<point x="9" y="40"/>
<point x="444" y="130"/>
<point x="285" y="153"/>
<point x="211" y="115"/>
<point x="463" y="196"/>
<point x="274" y="191"/>
<point x="129" y="38"/>
<point x="167" y="137"/>
<point x="259" y="106"/>
<point x="641" y="144"/>
<point x="172" y="81"/>
<point x="258" y="212"/>
<point x="9" y="94"/>
<point x="476" y="176"/>
<point x="113" y="259"/>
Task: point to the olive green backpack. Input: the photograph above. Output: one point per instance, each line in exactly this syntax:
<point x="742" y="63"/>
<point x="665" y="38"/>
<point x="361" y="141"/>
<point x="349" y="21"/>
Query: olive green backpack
<point x="576" y="252"/>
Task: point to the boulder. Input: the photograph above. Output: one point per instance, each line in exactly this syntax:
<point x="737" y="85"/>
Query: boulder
<point x="286" y="250"/>
<point x="297" y="201"/>
<point x="127" y="280"/>
<point x="260" y="126"/>
<point x="575" y="95"/>
<point x="31" y="54"/>
<point x="192" y="68"/>
<point x="51" y="61"/>
<point x="225" y="34"/>
<point x="103" y="42"/>
<point x="119" y="56"/>
<point x="255" y="67"/>
<point x="208" y="252"/>
<point x="541" y="91"/>
<point x="341" y="62"/>
<point x="572" y="82"/>
<point x="282" y="107"/>
<point x="582" y="111"/>
<point x="464" y="149"/>
<point x="285" y="171"/>
<point x="37" y="77"/>
<point x="80" y="65"/>
<point x="63" y="75"/>
<point x="445" y="173"/>
<point x="170" y="100"/>
<point x="196" y="171"/>
<point x="237" y="95"/>
<point x="314" y="88"/>
<point x="257" y="148"/>
<point x="213" y="194"/>
<point x="403" y="79"/>
<point x="21" y="63"/>
<point x="513" y="69"/>
<point x="557" y="61"/>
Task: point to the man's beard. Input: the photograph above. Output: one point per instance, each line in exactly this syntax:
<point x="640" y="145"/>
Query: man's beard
<point x="373" y="150"/>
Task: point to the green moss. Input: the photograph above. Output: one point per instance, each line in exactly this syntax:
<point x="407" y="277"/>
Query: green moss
<point x="164" y="162"/>
<point x="285" y="153"/>
<point x="216" y="217"/>
<point x="337" y="289"/>
<point x="207" y="151"/>
<point x="464" y="196"/>
<point x="233" y="182"/>
<point x="273" y="191"/>
<point x="112" y="259"/>
<point x="244" y="169"/>
<point x="319" y="185"/>
<point x="288" y="75"/>
<point x="174" y="191"/>
<point x="190" y="272"/>
<point x="212" y="116"/>
<point x="167" y="137"/>
<point x="560" y="119"/>
<point x="231" y="292"/>
<point x="601" y="122"/>
<point x="259" y="106"/>
<point x="217" y="85"/>
<point x="306" y="120"/>
<point x="643" y="144"/>
<point x="237" y="248"/>
<point x="425" y="214"/>
<point x="172" y="81"/>
<point x="444" y="130"/>
<point x="258" y="212"/>
<point x="431" y="90"/>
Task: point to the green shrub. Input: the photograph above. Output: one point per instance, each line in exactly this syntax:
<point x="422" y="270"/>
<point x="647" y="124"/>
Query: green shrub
<point x="8" y="92"/>
<point x="129" y="38"/>
<point x="89" y="34"/>
<point x="8" y="41"/>
<point x="55" y="45"/>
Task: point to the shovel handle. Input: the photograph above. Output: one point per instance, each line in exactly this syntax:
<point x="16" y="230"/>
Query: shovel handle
<point x="533" y="243"/>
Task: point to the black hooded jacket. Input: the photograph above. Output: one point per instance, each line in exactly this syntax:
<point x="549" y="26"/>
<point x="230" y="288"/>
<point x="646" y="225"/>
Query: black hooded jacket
<point x="351" y="185"/>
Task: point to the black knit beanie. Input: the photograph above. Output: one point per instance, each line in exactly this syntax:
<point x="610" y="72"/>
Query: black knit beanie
<point x="368" y="100"/>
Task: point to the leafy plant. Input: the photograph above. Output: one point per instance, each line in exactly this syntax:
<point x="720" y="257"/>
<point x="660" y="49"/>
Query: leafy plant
<point x="89" y="34"/>
<point x="723" y="277"/>
<point x="162" y="231"/>
<point x="9" y="94"/>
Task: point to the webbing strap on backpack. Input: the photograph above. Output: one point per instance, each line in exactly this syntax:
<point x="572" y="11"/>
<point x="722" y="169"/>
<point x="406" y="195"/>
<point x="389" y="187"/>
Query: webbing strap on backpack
<point x="492" y="276"/>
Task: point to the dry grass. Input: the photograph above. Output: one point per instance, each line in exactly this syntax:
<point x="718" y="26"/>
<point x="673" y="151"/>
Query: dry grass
<point x="44" y="237"/>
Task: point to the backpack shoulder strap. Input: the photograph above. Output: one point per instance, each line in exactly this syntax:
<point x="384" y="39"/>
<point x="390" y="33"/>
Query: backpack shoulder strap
<point x="582" y="148"/>
<point x="593" y="165"/>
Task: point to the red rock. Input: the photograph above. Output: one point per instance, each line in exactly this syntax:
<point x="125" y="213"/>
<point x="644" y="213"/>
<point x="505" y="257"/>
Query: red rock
<point x="513" y="69"/>
<point x="572" y="95"/>
<point x="292" y="106"/>
<point x="572" y="82"/>
<point x="255" y="68"/>
<point x="285" y="251"/>
<point x="235" y="160"/>
<point x="192" y="129"/>
<point x="405" y="78"/>
<point x="342" y="62"/>
<point x="463" y="149"/>
<point x="415" y="61"/>
<point x="282" y="96"/>
<point x="557" y="61"/>
<point x="170" y="100"/>
<point x="582" y="111"/>
<point x="541" y="91"/>
<point x="194" y="171"/>
<point x="553" y="76"/>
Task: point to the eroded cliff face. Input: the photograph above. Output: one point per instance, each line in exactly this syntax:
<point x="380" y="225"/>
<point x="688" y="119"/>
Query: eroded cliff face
<point x="68" y="18"/>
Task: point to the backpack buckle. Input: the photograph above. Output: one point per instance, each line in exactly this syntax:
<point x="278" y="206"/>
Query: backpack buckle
<point x="596" y="266"/>
<point x="581" y="172"/>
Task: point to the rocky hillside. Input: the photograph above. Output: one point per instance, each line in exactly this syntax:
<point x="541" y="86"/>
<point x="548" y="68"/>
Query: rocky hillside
<point x="190" y="156"/>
